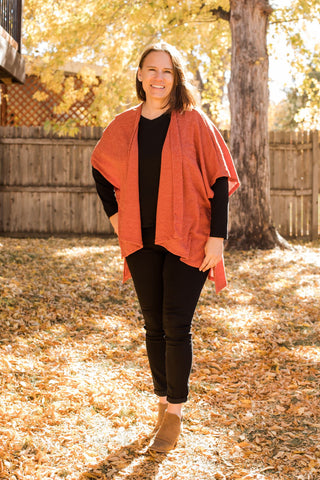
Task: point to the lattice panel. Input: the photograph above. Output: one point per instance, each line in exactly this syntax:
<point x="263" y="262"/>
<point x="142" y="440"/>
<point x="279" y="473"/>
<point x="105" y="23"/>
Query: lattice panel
<point x="24" y="110"/>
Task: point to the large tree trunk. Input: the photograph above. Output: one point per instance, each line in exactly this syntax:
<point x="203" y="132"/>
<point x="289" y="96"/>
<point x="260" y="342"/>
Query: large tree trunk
<point x="251" y="224"/>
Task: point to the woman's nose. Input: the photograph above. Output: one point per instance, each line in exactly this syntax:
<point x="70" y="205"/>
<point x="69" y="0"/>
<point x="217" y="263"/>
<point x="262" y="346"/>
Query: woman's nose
<point x="159" y="74"/>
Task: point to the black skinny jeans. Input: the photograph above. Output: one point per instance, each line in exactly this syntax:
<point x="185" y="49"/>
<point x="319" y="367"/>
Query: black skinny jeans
<point x="168" y="291"/>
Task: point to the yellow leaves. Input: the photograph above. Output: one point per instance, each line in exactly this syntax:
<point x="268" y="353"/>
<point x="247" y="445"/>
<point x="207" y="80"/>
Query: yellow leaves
<point x="75" y="388"/>
<point x="5" y="363"/>
<point x="110" y="35"/>
<point x="52" y="79"/>
<point x="40" y="96"/>
<point x="244" y="444"/>
<point x="88" y="75"/>
<point x="246" y="402"/>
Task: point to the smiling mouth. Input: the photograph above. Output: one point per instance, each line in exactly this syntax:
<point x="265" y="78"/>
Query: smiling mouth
<point x="158" y="86"/>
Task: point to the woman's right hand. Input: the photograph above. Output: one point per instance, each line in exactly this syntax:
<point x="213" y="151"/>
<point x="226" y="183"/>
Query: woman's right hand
<point x="114" y="222"/>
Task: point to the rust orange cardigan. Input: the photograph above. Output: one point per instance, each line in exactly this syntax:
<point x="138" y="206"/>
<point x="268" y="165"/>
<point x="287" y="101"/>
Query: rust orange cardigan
<point x="194" y="155"/>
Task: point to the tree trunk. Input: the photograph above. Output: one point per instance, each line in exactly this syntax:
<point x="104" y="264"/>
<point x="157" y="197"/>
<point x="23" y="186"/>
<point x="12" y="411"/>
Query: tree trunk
<point x="251" y="224"/>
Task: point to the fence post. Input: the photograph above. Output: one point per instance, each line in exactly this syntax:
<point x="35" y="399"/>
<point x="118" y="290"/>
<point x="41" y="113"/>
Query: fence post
<point x="315" y="183"/>
<point x="3" y="104"/>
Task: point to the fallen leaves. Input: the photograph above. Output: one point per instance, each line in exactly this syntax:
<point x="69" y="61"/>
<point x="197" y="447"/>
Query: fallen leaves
<point x="76" y="398"/>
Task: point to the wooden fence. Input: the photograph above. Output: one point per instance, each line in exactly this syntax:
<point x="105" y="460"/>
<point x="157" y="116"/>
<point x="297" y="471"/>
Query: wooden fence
<point x="46" y="185"/>
<point x="294" y="180"/>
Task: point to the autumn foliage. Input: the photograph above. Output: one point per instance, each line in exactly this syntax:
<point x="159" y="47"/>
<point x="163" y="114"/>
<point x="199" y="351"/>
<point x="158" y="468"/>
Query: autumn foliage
<point x="76" y="398"/>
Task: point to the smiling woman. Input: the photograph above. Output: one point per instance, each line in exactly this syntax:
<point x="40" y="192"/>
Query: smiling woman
<point x="157" y="77"/>
<point x="172" y="173"/>
<point x="161" y="71"/>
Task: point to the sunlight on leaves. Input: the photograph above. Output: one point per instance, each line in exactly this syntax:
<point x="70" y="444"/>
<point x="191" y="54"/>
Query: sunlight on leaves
<point x="76" y="399"/>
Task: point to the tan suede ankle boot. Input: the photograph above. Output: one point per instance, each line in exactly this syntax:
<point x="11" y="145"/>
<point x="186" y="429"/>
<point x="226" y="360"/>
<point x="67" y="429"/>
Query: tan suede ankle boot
<point x="162" y="407"/>
<point x="168" y="434"/>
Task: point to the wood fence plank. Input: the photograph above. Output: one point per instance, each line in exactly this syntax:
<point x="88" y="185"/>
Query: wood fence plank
<point x="4" y="211"/>
<point x="287" y="170"/>
<point x="315" y="185"/>
<point x="299" y="216"/>
<point x="4" y="166"/>
<point x="294" y="217"/>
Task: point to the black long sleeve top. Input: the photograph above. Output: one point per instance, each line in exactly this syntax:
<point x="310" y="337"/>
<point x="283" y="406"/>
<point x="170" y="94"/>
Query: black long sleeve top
<point x="151" y="137"/>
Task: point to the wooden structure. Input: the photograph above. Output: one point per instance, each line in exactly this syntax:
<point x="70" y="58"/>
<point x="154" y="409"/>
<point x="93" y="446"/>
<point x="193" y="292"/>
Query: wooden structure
<point x="46" y="185"/>
<point x="294" y="180"/>
<point x="20" y="108"/>
<point x="12" y="65"/>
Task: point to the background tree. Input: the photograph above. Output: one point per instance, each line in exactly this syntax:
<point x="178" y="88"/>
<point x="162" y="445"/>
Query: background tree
<point x="248" y="94"/>
<point x="308" y="95"/>
<point x="282" y="115"/>
<point x="112" y="35"/>
<point x="248" y="91"/>
<point x="300" y="110"/>
<point x="298" y="24"/>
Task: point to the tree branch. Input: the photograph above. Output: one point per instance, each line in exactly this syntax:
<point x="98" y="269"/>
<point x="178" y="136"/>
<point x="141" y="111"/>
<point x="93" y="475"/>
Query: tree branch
<point x="220" y="13"/>
<point x="284" y="21"/>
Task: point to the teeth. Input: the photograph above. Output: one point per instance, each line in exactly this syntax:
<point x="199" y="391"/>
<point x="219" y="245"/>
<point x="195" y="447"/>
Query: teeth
<point x="157" y="86"/>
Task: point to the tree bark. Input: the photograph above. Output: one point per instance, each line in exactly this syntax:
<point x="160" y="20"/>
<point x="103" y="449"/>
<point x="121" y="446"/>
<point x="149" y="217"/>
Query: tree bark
<point x="251" y="224"/>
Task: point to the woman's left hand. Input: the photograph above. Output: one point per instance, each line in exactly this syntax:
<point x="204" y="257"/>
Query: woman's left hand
<point x="213" y="253"/>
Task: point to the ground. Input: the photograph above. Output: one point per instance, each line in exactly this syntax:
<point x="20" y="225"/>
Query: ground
<point x="76" y="397"/>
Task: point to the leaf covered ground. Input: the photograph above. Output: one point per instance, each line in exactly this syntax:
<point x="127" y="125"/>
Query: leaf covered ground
<point x="76" y="398"/>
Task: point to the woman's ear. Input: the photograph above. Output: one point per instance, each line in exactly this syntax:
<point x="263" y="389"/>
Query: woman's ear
<point x="139" y="75"/>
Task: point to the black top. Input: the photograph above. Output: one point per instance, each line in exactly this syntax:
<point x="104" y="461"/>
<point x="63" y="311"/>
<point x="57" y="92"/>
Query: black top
<point x="151" y="137"/>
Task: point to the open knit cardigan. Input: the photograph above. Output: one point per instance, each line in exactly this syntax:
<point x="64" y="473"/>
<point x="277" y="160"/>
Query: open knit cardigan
<point x="194" y="155"/>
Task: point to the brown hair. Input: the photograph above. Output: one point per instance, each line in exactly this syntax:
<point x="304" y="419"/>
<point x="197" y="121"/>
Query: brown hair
<point x="181" y="96"/>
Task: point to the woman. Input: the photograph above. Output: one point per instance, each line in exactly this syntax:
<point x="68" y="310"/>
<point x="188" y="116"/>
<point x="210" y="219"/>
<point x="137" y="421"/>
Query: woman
<point x="171" y="173"/>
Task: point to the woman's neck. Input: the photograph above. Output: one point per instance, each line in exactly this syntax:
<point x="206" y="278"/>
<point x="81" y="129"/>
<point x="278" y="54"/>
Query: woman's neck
<point x="152" y="111"/>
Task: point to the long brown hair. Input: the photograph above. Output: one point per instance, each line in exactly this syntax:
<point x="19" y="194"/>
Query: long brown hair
<point x="181" y="96"/>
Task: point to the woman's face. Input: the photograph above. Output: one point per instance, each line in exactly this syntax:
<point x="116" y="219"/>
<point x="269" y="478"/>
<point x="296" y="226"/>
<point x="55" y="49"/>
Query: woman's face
<point x="157" y="76"/>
